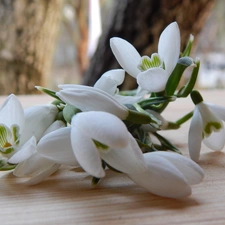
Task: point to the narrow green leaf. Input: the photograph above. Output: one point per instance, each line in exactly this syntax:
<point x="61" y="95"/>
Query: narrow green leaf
<point x="48" y="92"/>
<point x="165" y="143"/>
<point x="154" y="102"/>
<point x="186" y="90"/>
<point x="177" y="73"/>
<point x="188" y="47"/>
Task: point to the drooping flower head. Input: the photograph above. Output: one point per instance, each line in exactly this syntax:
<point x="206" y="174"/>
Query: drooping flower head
<point x="168" y="174"/>
<point x="206" y="126"/>
<point x="94" y="136"/>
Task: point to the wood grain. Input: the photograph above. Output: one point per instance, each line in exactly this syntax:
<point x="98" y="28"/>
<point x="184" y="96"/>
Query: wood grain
<point x="67" y="197"/>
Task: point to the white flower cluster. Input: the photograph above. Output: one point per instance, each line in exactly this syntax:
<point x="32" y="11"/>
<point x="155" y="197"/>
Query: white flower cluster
<point x="99" y="128"/>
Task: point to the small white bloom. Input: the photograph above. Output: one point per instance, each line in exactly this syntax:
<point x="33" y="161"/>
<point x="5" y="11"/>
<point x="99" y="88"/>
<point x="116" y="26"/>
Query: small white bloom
<point x="206" y="126"/>
<point x="109" y="81"/>
<point x="11" y="125"/>
<point x="168" y="174"/>
<point x="100" y="135"/>
<point x="56" y="146"/>
<point x="37" y="120"/>
<point x="33" y="165"/>
<point x="94" y="136"/>
<point x="91" y="99"/>
<point x="151" y="73"/>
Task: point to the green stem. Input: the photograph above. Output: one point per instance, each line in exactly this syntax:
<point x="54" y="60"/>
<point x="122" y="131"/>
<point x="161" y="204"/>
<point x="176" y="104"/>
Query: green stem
<point x="184" y="118"/>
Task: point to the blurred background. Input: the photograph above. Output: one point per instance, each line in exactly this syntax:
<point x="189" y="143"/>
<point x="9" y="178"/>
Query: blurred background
<point x="51" y="42"/>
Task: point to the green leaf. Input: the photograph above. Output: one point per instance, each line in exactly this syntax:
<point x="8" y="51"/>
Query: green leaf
<point x="48" y="92"/>
<point x="186" y="90"/>
<point x="166" y="144"/>
<point x="154" y="102"/>
<point x="177" y="73"/>
<point x="188" y="47"/>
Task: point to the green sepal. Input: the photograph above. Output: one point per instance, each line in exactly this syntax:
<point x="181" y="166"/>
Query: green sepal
<point x="58" y="103"/>
<point x="60" y="116"/>
<point x="177" y="73"/>
<point x="196" y="97"/>
<point x="48" y="92"/>
<point x="186" y="90"/>
<point x="69" y="111"/>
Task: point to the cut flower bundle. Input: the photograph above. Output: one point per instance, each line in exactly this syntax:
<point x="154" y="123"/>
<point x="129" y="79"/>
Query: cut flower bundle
<point x="100" y="128"/>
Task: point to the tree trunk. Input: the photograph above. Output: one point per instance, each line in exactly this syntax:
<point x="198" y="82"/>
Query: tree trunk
<point x="27" y="39"/>
<point x="141" y="23"/>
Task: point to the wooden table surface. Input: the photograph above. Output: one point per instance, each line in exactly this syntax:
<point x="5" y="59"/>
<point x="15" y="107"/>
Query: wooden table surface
<point x="67" y="197"/>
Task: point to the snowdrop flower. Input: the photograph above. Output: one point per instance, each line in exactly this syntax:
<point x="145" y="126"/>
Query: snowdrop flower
<point x="91" y="99"/>
<point x="109" y="81"/>
<point x="20" y="130"/>
<point x="168" y="174"/>
<point x="94" y="99"/>
<point x="206" y="126"/>
<point x="11" y="125"/>
<point x="37" y="120"/>
<point x="33" y="165"/>
<point x="94" y="136"/>
<point x="151" y="73"/>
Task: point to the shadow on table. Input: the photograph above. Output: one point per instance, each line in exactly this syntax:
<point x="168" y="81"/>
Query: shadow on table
<point x="116" y="191"/>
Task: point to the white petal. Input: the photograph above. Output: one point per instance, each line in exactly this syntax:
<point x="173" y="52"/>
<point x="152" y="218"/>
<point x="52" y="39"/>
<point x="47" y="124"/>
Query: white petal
<point x="37" y="120"/>
<point x="127" y="99"/>
<point x="195" y="136"/>
<point x="25" y="152"/>
<point x="162" y="178"/>
<point x="54" y="126"/>
<point x="169" y="46"/>
<point x="56" y="146"/>
<point x="11" y="112"/>
<point x="103" y="127"/>
<point x="106" y="84"/>
<point x="153" y="80"/>
<point x="86" y="153"/>
<point x="32" y="166"/>
<point x="92" y="99"/>
<point x="43" y="175"/>
<point x="217" y="109"/>
<point x="117" y="75"/>
<point x="216" y="140"/>
<point x="191" y="170"/>
<point x="126" y="55"/>
<point x="127" y="160"/>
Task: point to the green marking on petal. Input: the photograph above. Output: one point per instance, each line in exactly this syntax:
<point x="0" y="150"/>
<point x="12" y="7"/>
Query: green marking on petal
<point x="9" y="138"/>
<point x="4" y="165"/>
<point x="15" y="132"/>
<point x="210" y="126"/>
<point x="100" y="146"/>
<point x="147" y="63"/>
<point x="5" y="135"/>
